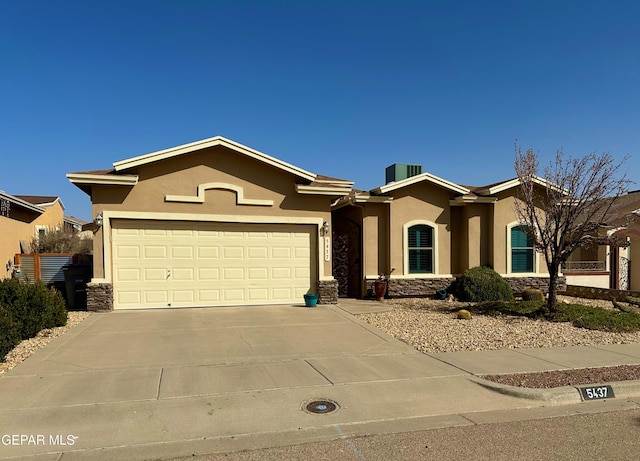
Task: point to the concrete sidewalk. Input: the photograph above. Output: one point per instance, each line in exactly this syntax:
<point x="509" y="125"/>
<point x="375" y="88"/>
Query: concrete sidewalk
<point x="167" y="383"/>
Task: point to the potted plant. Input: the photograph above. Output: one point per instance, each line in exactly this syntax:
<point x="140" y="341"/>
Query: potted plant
<point x="380" y="286"/>
<point x="311" y="299"/>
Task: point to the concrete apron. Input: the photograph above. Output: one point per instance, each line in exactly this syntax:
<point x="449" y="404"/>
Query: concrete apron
<point x="162" y="383"/>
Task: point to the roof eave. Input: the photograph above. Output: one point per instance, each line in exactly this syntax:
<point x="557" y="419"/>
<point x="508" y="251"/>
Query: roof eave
<point x="419" y="178"/>
<point x="322" y="190"/>
<point x="211" y="142"/>
<point x="22" y="203"/>
<point x="104" y="180"/>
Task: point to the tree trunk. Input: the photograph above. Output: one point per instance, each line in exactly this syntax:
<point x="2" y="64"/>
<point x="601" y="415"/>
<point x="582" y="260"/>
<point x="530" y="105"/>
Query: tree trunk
<point x="552" y="298"/>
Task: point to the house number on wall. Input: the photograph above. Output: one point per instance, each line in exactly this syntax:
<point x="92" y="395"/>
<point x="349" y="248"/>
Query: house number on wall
<point x="327" y="249"/>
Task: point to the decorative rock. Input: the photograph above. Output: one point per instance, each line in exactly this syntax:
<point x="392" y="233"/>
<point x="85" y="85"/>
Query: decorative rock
<point x="464" y="314"/>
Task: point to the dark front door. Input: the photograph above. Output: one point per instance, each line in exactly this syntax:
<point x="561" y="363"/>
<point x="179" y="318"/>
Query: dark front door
<point x="347" y="243"/>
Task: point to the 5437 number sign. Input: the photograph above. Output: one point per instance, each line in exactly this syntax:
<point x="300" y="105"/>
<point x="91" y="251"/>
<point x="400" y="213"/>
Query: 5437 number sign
<point x="596" y="392"/>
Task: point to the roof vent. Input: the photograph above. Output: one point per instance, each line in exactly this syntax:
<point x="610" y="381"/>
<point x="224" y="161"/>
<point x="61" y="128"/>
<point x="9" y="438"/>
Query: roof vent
<point x="399" y="171"/>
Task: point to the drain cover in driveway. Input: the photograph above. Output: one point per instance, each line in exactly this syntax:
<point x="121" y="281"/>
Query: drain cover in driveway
<point x="321" y="407"/>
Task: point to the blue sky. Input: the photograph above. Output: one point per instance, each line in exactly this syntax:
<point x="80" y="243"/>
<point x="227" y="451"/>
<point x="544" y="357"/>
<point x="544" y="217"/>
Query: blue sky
<point x="340" y="88"/>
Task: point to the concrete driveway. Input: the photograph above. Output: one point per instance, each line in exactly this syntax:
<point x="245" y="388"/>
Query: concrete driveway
<point x="164" y="383"/>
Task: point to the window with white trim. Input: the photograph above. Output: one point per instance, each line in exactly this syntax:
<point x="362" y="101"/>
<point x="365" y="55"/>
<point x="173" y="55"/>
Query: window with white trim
<point x="522" y="250"/>
<point x="420" y="249"/>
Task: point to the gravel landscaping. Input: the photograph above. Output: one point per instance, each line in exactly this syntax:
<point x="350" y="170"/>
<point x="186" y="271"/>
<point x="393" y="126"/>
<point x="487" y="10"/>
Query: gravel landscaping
<point x="432" y="326"/>
<point x="27" y="347"/>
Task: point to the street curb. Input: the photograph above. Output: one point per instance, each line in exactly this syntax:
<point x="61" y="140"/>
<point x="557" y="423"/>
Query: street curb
<point x="564" y="394"/>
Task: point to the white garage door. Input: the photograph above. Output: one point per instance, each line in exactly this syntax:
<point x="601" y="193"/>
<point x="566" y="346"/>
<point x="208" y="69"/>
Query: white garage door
<point x="201" y="264"/>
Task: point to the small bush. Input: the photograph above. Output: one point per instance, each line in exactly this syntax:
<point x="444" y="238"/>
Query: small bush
<point x="532" y="294"/>
<point x="591" y="318"/>
<point x="9" y="332"/>
<point x="532" y="309"/>
<point x="482" y="284"/>
<point x="32" y="307"/>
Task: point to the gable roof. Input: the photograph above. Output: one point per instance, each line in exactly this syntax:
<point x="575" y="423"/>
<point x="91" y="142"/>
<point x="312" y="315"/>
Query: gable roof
<point x="15" y="200"/>
<point x="498" y="187"/>
<point x="133" y="162"/>
<point x="428" y="177"/>
<point x="119" y="175"/>
<point x="41" y="200"/>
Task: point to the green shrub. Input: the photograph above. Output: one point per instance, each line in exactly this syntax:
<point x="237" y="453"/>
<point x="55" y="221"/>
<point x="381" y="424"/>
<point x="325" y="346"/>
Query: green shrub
<point x="32" y="307"/>
<point x="482" y="284"/>
<point x="9" y="331"/>
<point x="532" y="294"/>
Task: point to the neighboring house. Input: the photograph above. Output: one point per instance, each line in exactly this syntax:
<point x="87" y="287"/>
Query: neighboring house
<point x="210" y="223"/>
<point x="23" y="218"/>
<point x="425" y="230"/>
<point x="610" y="266"/>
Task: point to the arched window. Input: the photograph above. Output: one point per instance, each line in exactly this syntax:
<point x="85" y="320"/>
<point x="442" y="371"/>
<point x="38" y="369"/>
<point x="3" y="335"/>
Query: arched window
<point x="522" y="250"/>
<point x="420" y="249"/>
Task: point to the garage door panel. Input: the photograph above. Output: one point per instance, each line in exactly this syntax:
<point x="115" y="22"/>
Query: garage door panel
<point x="156" y="298"/>
<point x="232" y="295"/>
<point x="208" y="274"/>
<point x="158" y="252"/>
<point x="128" y="251"/>
<point x="183" y="275"/>
<point x="128" y="298"/>
<point x="233" y="273"/>
<point x="208" y="252"/>
<point x="182" y="297"/>
<point x="210" y="264"/>
<point x="182" y="252"/>
<point x="281" y="273"/>
<point x="233" y="252"/>
<point x="281" y="252"/>
<point x="209" y="297"/>
<point x="257" y="252"/>
<point x="258" y="273"/>
<point x="155" y="274"/>
<point x="127" y="275"/>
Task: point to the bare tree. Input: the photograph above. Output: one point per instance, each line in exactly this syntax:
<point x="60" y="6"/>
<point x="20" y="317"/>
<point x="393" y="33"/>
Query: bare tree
<point x="567" y="205"/>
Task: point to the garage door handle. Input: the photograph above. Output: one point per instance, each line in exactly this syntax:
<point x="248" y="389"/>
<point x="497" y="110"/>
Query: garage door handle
<point x="168" y="273"/>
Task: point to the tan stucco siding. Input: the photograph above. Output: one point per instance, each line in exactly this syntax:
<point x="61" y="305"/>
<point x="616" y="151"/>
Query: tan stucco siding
<point x="12" y="232"/>
<point x="421" y="203"/>
<point x="375" y="237"/>
<point x="23" y="225"/>
<point x="164" y="189"/>
<point x="504" y="217"/>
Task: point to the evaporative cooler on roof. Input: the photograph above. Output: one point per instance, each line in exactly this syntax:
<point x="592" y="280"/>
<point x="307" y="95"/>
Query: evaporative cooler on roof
<point x="399" y="171"/>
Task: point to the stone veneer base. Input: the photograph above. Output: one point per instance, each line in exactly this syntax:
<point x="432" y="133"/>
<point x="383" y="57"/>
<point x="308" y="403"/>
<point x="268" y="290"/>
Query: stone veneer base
<point x="328" y="291"/>
<point x="99" y="297"/>
<point x="405" y="288"/>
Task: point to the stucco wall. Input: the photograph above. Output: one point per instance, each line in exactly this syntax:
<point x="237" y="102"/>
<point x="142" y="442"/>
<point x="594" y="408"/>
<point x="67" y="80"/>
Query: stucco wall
<point x="181" y="176"/>
<point x="420" y="202"/>
<point x="21" y="225"/>
<point x="12" y="232"/>
<point x="504" y="215"/>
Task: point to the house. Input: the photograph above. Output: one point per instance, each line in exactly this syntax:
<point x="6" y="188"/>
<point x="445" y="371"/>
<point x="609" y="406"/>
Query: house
<point x="23" y="218"/>
<point x="609" y="266"/>
<point x="210" y="223"/>
<point x="217" y="223"/>
<point x="425" y="230"/>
